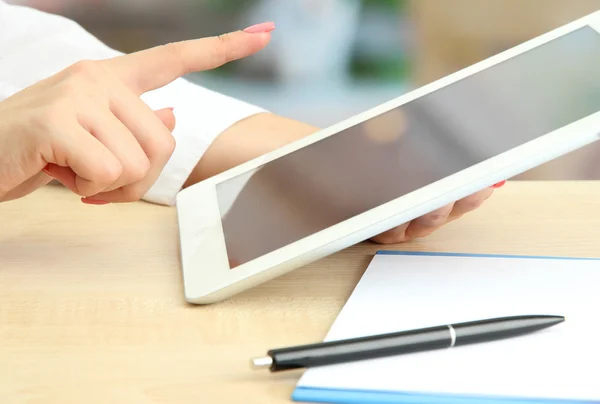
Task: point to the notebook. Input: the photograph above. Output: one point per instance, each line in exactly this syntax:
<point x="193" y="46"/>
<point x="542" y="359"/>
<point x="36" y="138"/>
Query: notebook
<point x="407" y="290"/>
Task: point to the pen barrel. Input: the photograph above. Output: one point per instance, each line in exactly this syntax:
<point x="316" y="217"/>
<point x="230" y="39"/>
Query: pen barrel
<point x="405" y="342"/>
<point x="485" y="331"/>
<point x="360" y="348"/>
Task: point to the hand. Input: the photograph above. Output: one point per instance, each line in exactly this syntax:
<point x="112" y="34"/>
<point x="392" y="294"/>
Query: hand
<point x="427" y="224"/>
<point x="87" y="127"/>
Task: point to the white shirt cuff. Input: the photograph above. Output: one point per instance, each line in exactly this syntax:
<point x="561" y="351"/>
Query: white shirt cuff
<point x="201" y="115"/>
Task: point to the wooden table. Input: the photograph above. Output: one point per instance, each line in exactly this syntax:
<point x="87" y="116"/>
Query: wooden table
<point x="91" y="307"/>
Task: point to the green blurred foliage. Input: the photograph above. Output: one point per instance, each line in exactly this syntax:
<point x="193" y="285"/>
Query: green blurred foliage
<point x="394" y="68"/>
<point x="392" y="5"/>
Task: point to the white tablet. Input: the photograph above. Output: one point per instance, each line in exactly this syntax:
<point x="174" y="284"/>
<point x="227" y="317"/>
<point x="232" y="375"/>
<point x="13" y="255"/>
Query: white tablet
<point x="391" y="164"/>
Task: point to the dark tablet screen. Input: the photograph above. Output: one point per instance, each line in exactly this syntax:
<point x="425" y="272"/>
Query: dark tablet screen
<point x="409" y="147"/>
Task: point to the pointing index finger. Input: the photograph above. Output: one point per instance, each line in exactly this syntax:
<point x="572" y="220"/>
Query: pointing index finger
<point x="156" y="67"/>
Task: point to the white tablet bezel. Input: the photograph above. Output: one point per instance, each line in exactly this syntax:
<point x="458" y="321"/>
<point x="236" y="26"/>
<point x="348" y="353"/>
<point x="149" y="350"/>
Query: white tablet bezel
<point x="207" y="276"/>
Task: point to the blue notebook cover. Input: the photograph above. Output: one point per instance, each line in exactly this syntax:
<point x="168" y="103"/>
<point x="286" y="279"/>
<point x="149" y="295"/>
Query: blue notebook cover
<point x="407" y="290"/>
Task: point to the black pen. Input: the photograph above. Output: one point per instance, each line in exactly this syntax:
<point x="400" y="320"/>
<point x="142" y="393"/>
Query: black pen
<point x="424" y="339"/>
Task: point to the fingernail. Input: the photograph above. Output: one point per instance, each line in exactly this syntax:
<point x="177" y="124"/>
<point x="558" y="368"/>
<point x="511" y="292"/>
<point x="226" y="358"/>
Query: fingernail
<point x="93" y="201"/>
<point x="171" y="108"/>
<point x="499" y="184"/>
<point x="260" y="28"/>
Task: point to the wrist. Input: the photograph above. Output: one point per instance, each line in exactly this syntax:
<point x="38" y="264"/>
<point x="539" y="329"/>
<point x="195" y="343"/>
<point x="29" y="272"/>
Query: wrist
<point x="247" y="139"/>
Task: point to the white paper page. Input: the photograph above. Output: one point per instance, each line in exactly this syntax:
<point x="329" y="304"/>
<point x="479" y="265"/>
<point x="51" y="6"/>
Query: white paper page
<point x="400" y="292"/>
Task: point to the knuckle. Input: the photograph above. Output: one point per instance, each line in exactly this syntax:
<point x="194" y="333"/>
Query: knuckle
<point x="87" y="69"/>
<point x="378" y="239"/>
<point x="168" y="146"/>
<point x="71" y="89"/>
<point x="224" y="38"/>
<point x="86" y="81"/>
<point x="112" y="173"/>
<point x="161" y="149"/>
<point x="471" y="204"/>
<point x="138" y="171"/>
<point x="108" y="170"/>
<point x="174" y="49"/>
<point x="391" y="237"/>
<point x="220" y="52"/>
<point x="86" y="188"/>
<point x="435" y="219"/>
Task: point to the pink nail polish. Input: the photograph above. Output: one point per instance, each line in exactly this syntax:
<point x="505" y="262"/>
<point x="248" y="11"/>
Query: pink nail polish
<point x="498" y="185"/>
<point x="260" y="28"/>
<point x="93" y="201"/>
<point x="171" y="108"/>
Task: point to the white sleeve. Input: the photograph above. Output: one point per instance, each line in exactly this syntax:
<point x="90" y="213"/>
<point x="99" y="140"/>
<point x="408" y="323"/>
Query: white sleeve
<point x="35" y="45"/>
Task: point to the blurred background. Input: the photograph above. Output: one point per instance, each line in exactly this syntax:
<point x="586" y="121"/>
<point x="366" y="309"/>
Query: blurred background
<point x="331" y="59"/>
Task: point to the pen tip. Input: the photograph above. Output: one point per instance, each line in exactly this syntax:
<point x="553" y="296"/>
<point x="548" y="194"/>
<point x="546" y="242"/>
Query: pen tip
<point x="261" y="363"/>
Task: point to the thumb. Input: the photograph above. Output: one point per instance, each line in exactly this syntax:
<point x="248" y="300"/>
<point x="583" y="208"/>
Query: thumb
<point x="167" y="117"/>
<point x="156" y="67"/>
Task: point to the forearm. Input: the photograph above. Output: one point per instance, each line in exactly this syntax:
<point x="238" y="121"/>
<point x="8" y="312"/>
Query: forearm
<point x="247" y="139"/>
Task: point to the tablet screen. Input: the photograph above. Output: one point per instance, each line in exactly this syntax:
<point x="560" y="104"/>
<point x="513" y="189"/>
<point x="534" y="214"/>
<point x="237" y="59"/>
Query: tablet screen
<point x="409" y="147"/>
